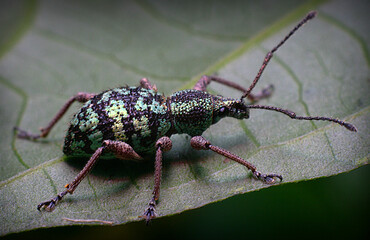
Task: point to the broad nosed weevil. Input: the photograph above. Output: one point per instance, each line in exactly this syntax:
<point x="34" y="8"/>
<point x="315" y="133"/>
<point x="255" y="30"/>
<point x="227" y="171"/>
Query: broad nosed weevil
<point x="131" y="122"/>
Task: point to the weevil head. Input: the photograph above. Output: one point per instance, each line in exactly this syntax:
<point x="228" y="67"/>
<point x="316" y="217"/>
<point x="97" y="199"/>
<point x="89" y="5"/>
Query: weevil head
<point x="194" y="111"/>
<point x="228" y="107"/>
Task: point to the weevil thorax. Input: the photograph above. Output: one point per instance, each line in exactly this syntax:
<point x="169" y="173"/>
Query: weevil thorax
<point x="191" y="111"/>
<point x="194" y="111"/>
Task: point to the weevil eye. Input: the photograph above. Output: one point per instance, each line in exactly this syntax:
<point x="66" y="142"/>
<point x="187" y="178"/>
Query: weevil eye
<point x="224" y="111"/>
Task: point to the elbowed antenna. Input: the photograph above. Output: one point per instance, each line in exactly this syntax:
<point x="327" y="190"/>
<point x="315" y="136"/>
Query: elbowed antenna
<point x="294" y="116"/>
<point x="269" y="55"/>
<point x="291" y="114"/>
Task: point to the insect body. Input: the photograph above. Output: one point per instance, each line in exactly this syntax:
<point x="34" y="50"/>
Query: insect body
<point x="132" y="122"/>
<point x="140" y="116"/>
<point x="134" y="115"/>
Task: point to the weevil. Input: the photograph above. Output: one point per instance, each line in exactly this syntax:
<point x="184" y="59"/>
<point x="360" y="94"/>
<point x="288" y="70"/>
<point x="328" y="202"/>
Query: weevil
<point x="130" y="122"/>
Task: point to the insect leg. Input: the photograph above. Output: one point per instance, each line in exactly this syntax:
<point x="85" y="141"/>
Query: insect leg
<point x="80" y="97"/>
<point x="200" y="143"/>
<point x="120" y="149"/>
<point x="204" y="81"/>
<point x="50" y="205"/>
<point x="163" y="144"/>
<point x="145" y="83"/>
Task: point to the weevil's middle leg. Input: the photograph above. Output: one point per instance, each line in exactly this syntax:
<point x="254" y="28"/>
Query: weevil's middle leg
<point x="163" y="144"/>
<point x="204" y="81"/>
<point x="200" y="143"/>
<point x="80" y="97"/>
<point x="120" y="149"/>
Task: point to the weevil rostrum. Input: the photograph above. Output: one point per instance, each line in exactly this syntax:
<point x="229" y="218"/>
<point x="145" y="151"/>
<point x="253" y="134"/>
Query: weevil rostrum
<point x="132" y="122"/>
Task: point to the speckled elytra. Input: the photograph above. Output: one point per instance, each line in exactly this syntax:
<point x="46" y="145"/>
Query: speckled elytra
<point x="132" y="122"/>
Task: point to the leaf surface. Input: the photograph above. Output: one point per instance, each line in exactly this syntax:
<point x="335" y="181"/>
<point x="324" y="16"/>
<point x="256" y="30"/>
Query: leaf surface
<point x="57" y="48"/>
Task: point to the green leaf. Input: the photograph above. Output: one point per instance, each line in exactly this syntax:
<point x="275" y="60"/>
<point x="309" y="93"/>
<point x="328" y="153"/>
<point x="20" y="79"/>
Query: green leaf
<point x="53" y="49"/>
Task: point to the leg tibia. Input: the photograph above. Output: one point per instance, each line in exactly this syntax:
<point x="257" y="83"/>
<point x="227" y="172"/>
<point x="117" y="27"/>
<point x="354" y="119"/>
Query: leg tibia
<point x="163" y="144"/>
<point x="80" y="97"/>
<point x="204" y="81"/>
<point x="70" y="187"/>
<point x="120" y="149"/>
<point x="200" y="143"/>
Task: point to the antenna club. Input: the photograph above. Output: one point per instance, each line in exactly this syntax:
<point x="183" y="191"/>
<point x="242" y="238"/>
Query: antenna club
<point x="350" y="127"/>
<point x="311" y="15"/>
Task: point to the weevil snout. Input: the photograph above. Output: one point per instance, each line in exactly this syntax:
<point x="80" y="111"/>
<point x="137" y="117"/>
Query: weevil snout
<point x="226" y="107"/>
<point x="239" y="110"/>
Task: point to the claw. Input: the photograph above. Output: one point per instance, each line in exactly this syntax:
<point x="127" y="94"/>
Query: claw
<point x="50" y="205"/>
<point x="266" y="92"/>
<point x="25" y="135"/>
<point x="267" y="178"/>
<point x="150" y="212"/>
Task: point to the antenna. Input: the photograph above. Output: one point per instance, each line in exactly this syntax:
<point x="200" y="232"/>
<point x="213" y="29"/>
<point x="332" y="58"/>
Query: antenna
<point x="269" y="55"/>
<point x="294" y="116"/>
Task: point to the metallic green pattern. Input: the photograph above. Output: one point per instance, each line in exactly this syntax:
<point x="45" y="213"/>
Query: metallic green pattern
<point x="134" y="115"/>
<point x="191" y="111"/>
<point x="140" y="116"/>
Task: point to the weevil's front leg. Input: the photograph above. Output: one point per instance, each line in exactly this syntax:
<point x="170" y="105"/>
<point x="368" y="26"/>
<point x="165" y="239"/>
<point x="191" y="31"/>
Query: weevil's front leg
<point x="120" y="149"/>
<point x="145" y="83"/>
<point x="80" y="97"/>
<point x="204" y="81"/>
<point x="163" y="144"/>
<point x="200" y="143"/>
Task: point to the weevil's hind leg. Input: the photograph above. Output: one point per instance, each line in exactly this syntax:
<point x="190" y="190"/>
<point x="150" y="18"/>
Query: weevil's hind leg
<point x="80" y="97"/>
<point x="200" y="143"/>
<point x="163" y="144"/>
<point x="120" y="149"/>
<point x="145" y="83"/>
<point x="204" y="81"/>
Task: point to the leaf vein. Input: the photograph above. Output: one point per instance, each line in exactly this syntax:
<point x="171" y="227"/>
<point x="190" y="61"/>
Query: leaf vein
<point x="352" y="33"/>
<point x="101" y="55"/>
<point x="24" y="99"/>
